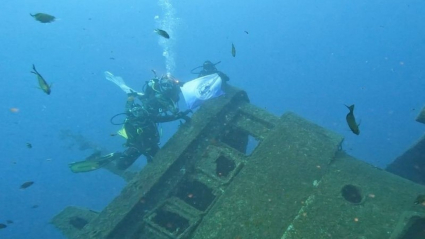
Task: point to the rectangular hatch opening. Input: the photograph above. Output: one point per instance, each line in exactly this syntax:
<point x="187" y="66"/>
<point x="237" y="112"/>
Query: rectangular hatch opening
<point x="196" y="194"/>
<point x="172" y="222"/>
<point x="415" y="228"/>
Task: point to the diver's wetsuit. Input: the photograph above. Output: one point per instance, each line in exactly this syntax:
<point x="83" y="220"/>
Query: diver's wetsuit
<point x="209" y="68"/>
<point x="141" y="123"/>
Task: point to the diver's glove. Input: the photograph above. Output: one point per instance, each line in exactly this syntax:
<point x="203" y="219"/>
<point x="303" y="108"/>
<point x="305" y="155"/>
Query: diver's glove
<point x="181" y="83"/>
<point x="183" y="115"/>
<point x="223" y="76"/>
<point x="134" y="94"/>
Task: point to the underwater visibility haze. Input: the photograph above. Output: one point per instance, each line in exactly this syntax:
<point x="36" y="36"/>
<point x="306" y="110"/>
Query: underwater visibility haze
<point x="310" y="58"/>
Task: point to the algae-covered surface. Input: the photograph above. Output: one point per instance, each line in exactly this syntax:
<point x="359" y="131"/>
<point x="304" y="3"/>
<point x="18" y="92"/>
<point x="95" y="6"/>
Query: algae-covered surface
<point x="277" y="179"/>
<point x="384" y="197"/>
<point x="297" y="183"/>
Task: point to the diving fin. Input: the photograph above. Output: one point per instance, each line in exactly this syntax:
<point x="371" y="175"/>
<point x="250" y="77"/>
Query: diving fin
<point x="119" y="82"/>
<point x="92" y="164"/>
<point x="84" y="166"/>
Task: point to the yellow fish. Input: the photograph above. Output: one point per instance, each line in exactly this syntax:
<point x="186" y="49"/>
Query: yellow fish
<point x="41" y="82"/>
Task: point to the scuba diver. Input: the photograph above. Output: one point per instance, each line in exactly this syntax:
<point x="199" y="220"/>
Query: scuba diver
<point x="158" y="104"/>
<point x="209" y="68"/>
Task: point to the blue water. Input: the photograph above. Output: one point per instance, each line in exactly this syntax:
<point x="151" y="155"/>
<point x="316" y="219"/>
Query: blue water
<point x="307" y="57"/>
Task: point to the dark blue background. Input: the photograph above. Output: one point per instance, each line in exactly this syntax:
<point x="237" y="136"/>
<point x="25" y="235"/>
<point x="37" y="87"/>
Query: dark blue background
<point x="309" y="58"/>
